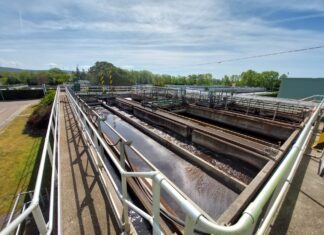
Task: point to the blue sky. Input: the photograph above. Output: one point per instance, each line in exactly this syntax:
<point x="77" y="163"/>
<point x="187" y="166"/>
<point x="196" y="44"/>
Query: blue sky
<point x="163" y="36"/>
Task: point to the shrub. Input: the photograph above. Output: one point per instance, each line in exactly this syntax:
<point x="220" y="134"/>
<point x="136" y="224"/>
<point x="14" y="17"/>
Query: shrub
<point x="40" y="116"/>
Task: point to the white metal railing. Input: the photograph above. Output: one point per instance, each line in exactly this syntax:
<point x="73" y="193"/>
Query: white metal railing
<point x="49" y="153"/>
<point x="99" y="89"/>
<point x="100" y="145"/>
<point x="194" y="217"/>
<point x="313" y="98"/>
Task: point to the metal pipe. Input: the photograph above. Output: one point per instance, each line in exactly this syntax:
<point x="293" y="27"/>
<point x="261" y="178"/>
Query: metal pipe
<point x="13" y="208"/>
<point x="54" y="173"/>
<point x="281" y="196"/>
<point x="59" y="211"/>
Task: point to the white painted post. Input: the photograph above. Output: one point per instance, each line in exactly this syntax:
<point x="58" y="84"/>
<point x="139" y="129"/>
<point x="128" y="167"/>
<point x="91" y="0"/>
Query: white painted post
<point x="124" y="186"/>
<point x="189" y="225"/>
<point x="39" y="219"/>
<point x="50" y="153"/>
<point x="156" y="204"/>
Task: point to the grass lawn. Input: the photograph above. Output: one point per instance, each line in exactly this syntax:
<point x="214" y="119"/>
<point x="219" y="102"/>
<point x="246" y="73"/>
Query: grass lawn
<point x="18" y="154"/>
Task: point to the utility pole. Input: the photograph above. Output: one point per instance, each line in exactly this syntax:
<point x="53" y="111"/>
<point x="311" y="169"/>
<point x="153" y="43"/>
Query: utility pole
<point x="102" y="81"/>
<point x="110" y="82"/>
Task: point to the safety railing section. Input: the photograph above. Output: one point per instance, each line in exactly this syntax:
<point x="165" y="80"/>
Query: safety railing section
<point x="250" y="220"/>
<point x="313" y="98"/>
<point x="43" y="215"/>
<point x="221" y="99"/>
<point x="102" y="148"/>
<point x="99" y="90"/>
<point x="281" y="190"/>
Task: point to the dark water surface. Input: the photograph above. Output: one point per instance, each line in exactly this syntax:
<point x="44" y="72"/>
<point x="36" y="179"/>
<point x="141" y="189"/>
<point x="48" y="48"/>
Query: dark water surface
<point x="212" y="196"/>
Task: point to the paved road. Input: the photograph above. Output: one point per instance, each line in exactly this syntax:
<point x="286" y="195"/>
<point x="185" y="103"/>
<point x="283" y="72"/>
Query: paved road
<point x="10" y="109"/>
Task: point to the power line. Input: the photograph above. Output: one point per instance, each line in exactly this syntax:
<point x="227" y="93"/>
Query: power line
<point x="262" y="55"/>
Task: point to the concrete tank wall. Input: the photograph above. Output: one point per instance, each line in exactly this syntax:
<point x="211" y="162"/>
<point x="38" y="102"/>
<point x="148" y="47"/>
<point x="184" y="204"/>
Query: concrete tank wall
<point x="178" y="128"/>
<point x="229" y="149"/>
<point x="252" y="124"/>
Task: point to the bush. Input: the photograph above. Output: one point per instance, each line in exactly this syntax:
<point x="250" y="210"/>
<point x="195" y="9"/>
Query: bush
<point x="40" y="116"/>
<point x="48" y="98"/>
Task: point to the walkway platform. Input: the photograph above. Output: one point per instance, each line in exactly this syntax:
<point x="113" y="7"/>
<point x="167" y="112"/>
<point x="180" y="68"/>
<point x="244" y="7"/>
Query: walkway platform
<point x="85" y="208"/>
<point x="303" y="209"/>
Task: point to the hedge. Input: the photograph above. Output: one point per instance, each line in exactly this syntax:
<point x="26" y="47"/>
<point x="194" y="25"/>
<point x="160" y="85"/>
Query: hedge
<point x="21" y="94"/>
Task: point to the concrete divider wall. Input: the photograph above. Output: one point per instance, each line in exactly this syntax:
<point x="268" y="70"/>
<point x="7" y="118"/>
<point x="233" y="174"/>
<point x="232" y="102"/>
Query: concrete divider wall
<point x="125" y="106"/>
<point x="178" y="128"/>
<point x="228" y="149"/>
<point x="256" y="125"/>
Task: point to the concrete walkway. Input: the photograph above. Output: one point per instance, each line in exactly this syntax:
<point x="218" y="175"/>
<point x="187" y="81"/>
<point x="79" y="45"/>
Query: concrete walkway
<point x="85" y="208"/>
<point x="303" y="209"/>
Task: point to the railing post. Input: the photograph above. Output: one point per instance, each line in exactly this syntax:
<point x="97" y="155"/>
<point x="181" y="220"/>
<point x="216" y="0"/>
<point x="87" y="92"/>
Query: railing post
<point x="39" y="219"/>
<point x="191" y="220"/>
<point x="99" y="120"/>
<point x="14" y="208"/>
<point x="124" y="185"/>
<point x="189" y="225"/>
<point x="156" y="203"/>
<point x="50" y="152"/>
<point x="275" y="112"/>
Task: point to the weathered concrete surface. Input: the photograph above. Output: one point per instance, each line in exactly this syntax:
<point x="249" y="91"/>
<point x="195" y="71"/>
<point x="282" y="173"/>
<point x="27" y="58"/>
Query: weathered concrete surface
<point x="229" y="149"/>
<point x="85" y="208"/>
<point x="302" y="211"/>
<point x="241" y="202"/>
<point x="261" y="126"/>
<point x="178" y="128"/>
<point x="10" y="109"/>
<point x="242" y="140"/>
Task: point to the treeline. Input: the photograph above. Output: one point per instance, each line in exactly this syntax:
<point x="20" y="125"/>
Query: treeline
<point x="121" y="77"/>
<point x="52" y="77"/>
<point x="269" y="79"/>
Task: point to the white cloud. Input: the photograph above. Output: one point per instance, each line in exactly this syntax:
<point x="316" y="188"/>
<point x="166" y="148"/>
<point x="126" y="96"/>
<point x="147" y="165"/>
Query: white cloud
<point x="10" y="63"/>
<point x="53" y="65"/>
<point x="129" y="67"/>
<point x="3" y="50"/>
<point x="165" y="36"/>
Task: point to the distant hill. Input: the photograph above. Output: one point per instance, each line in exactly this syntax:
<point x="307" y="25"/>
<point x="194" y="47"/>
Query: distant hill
<point x="16" y="70"/>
